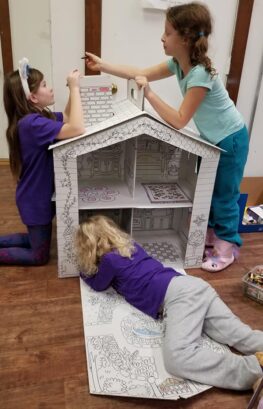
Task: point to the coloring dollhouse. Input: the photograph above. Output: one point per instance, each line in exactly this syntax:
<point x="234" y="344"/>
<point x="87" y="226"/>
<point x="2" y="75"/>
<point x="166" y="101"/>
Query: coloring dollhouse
<point x="155" y="181"/>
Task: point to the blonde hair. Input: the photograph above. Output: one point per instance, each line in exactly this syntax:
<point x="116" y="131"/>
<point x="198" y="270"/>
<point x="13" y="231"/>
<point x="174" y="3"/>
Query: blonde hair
<point x="97" y="236"/>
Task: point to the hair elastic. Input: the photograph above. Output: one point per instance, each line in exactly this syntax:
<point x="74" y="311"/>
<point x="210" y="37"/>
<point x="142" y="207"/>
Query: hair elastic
<point x="23" y="69"/>
<point x="201" y="34"/>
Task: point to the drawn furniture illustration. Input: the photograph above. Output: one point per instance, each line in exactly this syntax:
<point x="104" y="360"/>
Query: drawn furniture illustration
<point x="155" y="181"/>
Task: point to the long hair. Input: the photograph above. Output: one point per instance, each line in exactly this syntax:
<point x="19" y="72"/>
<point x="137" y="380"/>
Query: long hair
<point x="97" y="236"/>
<point x="194" y="23"/>
<point x="16" y="107"/>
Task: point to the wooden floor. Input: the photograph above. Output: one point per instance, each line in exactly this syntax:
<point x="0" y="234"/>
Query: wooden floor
<point x="42" y="355"/>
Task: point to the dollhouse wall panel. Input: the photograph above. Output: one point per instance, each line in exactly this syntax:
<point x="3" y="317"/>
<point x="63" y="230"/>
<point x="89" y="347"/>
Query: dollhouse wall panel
<point x="200" y="212"/>
<point x="152" y="219"/>
<point x="156" y="160"/>
<point x="106" y="162"/>
<point x="130" y="164"/>
<point x="96" y="98"/>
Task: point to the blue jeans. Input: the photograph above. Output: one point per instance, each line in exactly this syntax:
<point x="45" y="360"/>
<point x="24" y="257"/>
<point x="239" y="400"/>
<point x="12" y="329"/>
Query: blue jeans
<point x="26" y="249"/>
<point x="224" y="212"/>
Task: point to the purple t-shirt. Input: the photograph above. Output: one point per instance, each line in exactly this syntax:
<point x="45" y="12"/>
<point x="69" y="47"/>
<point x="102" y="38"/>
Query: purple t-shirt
<point x="36" y="185"/>
<point x="141" y="280"/>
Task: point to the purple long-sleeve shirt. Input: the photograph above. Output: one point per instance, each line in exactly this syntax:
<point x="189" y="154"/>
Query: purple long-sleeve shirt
<point x="141" y="279"/>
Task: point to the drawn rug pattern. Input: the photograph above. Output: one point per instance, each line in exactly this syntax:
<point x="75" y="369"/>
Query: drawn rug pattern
<point x="95" y="194"/>
<point x="162" y="250"/>
<point x="164" y="193"/>
<point x="123" y="348"/>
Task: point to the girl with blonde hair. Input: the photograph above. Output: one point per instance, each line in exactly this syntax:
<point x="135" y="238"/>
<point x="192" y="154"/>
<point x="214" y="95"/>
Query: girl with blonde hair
<point x="108" y="256"/>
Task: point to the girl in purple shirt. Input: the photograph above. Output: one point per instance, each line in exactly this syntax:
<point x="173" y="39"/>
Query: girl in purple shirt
<point x="32" y="127"/>
<point x="108" y="257"/>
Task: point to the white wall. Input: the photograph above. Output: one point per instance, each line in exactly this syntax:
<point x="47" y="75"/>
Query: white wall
<point x="254" y="166"/>
<point x="253" y="64"/>
<point x="30" y="32"/>
<point x="68" y="44"/>
<point x="3" y="119"/>
<point x="250" y="96"/>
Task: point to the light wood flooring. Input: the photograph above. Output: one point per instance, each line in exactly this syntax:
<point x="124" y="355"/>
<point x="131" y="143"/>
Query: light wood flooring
<point x="42" y="355"/>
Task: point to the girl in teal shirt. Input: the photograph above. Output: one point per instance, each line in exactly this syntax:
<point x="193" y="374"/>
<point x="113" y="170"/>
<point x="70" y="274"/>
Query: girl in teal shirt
<point x="206" y="101"/>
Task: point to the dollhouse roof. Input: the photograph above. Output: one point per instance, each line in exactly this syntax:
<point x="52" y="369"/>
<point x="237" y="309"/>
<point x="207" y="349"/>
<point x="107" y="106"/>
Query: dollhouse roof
<point x="126" y="113"/>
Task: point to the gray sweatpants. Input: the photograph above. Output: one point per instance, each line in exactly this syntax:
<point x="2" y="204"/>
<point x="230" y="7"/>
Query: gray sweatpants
<point x="192" y="307"/>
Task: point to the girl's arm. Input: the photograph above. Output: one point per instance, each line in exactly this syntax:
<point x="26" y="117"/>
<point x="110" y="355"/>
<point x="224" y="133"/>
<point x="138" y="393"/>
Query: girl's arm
<point x="154" y="73"/>
<point x="66" y="111"/>
<point x="103" y="278"/>
<point x="74" y="115"/>
<point x="176" y="118"/>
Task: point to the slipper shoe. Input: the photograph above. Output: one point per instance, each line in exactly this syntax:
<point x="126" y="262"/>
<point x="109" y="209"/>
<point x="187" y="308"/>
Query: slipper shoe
<point x="207" y="252"/>
<point x="213" y="264"/>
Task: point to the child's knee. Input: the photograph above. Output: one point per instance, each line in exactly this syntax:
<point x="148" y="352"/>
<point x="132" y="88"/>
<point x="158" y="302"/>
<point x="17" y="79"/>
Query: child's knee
<point x="41" y="258"/>
<point x="174" y="361"/>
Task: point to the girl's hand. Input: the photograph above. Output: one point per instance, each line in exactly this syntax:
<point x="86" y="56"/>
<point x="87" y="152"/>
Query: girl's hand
<point x="93" y="62"/>
<point x="142" y="82"/>
<point x="73" y="79"/>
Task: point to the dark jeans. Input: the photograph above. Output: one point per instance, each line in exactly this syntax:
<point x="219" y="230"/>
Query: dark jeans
<point x="26" y="249"/>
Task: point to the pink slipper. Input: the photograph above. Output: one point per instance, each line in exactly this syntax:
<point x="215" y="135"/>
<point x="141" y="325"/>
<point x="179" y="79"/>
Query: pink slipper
<point x="220" y="257"/>
<point x="213" y="264"/>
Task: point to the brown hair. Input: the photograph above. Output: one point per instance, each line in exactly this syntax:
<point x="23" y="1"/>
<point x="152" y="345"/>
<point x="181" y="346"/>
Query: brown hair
<point x="17" y="106"/>
<point x="194" y="23"/>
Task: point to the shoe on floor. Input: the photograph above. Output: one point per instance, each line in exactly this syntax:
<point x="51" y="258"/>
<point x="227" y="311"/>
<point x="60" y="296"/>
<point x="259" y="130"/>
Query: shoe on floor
<point x="220" y="258"/>
<point x="213" y="264"/>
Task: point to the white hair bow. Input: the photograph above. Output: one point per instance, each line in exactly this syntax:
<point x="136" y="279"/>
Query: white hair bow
<point x="23" y="69"/>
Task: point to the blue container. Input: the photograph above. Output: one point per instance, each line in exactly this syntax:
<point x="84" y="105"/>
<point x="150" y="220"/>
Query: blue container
<point x="246" y="228"/>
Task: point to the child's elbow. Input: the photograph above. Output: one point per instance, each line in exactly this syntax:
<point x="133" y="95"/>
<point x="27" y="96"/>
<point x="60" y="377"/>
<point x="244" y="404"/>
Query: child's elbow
<point x="75" y="130"/>
<point x="182" y="120"/>
<point x="178" y="124"/>
<point x="78" y="130"/>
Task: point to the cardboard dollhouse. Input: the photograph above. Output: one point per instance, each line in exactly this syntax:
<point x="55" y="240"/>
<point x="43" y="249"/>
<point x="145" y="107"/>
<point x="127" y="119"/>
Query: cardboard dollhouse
<point x="155" y="181"/>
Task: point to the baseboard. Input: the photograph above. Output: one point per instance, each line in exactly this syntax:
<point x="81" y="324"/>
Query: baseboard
<point x="253" y="186"/>
<point x="4" y="162"/>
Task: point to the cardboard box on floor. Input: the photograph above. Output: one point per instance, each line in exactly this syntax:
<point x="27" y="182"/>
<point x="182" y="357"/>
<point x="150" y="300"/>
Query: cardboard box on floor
<point x="253" y="186"/>
<point x="251" y="195"/>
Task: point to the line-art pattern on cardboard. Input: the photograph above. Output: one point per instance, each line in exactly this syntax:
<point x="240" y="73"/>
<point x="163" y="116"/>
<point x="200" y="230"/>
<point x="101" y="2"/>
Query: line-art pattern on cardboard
<point x="124" y="350"/>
